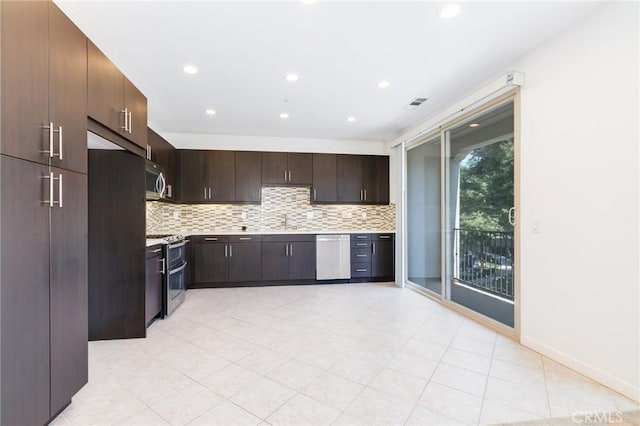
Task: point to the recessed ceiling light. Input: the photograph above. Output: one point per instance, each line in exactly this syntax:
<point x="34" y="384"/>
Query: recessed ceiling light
<point x="292" y="77"/>
<point x="351" y="119"/>
<point x="190" y="69"/>
<point x="450" y="10"/>
<point x="284" y="115"/>
<point x="210" y="112"/>
<point x="474" y="125"/>
<point x="383" y="84"/>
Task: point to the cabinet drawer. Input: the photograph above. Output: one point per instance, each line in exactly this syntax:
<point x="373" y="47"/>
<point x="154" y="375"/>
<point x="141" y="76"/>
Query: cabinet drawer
<point x="245" y="238"/>
<point x="209" y="239"/>
<point x="359" y="255"/>
<point x="359" y="270"/>
<point x="360" y="237"/>
<point x="382" y="237"/>
<point x="360" y="244"/>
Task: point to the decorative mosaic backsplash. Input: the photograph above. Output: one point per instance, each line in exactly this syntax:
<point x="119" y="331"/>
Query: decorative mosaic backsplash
<point x="278" y="204"/>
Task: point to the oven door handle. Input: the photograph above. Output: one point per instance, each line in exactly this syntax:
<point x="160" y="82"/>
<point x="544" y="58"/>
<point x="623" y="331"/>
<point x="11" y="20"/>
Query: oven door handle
<point x="180" y="244"/>
<point x="180" y="269"/>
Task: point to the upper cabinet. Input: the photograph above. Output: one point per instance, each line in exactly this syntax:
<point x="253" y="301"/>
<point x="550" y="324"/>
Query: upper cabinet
<point x="44" y="85"/>
<point x="325" y="186"/>
<point x="114" y="101"/>
<point x="363" y="179"/>
<point x="219" y="176"/>
<point x="281" y="168"/>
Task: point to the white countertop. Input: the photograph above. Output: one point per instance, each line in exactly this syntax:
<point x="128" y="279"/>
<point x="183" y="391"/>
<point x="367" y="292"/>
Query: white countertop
<point x="155" y="241"/>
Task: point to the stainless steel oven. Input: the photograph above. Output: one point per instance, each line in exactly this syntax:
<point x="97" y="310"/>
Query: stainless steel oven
<point x="175" y="286"/>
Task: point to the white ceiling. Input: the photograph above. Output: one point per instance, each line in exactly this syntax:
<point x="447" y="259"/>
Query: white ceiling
<point x="339" y="49"/>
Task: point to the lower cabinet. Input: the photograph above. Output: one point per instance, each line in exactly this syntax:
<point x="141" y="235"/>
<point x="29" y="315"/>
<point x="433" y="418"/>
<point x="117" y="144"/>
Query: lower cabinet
<point x="154" y="277"/>
<point x="226" y="259"/>
<point x="288" y="257"/>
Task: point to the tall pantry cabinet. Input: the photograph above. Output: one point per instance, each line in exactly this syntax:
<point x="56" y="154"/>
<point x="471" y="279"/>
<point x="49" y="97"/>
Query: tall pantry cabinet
<point x="43" y="212"/>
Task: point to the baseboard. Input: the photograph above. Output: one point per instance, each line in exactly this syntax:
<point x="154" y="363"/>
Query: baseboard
<point x="590" y="371"/>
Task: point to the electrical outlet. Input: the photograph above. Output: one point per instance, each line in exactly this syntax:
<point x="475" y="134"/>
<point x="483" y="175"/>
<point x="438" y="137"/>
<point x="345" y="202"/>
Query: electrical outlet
<point x="364" y="215"/>
<point x="309" y="215"/>
<point x="176" y="214"/>
<point x="243" y="215"/>
<point x="347" y="215"/>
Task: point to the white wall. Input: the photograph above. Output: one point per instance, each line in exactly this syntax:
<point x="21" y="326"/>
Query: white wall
<point x="579" y="171"/>
<point x="267" y="143"/>
<point x="580" y="288"/>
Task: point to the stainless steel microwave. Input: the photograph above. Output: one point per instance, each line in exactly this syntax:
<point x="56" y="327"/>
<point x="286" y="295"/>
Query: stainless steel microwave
<point x="155" y="181"/>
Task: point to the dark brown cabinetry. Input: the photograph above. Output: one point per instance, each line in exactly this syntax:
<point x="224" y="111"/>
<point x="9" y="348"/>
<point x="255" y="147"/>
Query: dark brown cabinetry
<point x="163" y="153"/>
<point x="281" y="168"/>
<point x="114" y="101"/>
<point x="363" y="179"/>
<point x="225" y="259"/>
<point x="44" y="289"/>
<point x="154" y="273"/>
<point x="44" y="83"/>
<point x="219" y="176"/>
<point x="325" y="186"/>
<point x="372" y="256"/>
<point x="288" y="257"/>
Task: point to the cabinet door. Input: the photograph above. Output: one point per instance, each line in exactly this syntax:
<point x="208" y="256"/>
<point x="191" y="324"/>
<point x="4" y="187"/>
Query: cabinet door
<point x="275" y="261"/>
<point x="105" y="90"/>
<point x="382" y="258"/>
<point x="274" y="168"/>
<point x="324" y="178"/>
<point x="349" y="168"/>
<point x="302" y="257"/>
<point x="300" y="168"/>
<point x="24" y="306"/>
<point x="248" y="172"/>
<point x="221" y="176"/>
<point x="153" y="293"/>
<point x="245" y="262"/>
<point x="375" y="176"/>
<point x="24" y="44"/>
<point x="69" y="288"/>
<point x="136" y="104"/>
<point x="192" y="170"/>
<point x="68" y="90"/>
<point x="210" y="265"/>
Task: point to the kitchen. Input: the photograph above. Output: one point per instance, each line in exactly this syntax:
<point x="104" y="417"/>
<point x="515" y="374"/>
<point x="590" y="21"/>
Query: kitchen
<point x="219" y="275"/>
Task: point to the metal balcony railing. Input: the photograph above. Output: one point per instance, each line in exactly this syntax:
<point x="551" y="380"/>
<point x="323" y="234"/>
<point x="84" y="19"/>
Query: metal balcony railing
<point x="484" y="260"/>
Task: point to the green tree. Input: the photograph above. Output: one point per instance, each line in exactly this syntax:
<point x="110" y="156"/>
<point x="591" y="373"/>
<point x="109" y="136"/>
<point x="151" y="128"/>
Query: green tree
<point x="486" y="187"/>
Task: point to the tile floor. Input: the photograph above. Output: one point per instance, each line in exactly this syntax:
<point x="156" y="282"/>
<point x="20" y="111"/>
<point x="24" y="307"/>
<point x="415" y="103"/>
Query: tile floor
<point x="357" y="354"/>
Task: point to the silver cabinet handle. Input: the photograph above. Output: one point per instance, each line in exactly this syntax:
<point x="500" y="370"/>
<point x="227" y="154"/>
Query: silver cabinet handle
<point x="210" y="197"/>
<point x="156" y="251"/>
<point x="211" y="239"/>
<point x="361" y="237"/>
<point x="60" y="190"/>
<point x="50" y="200"/>
<point x="126" y="120"/>
<point x="285" y="175"/>
<point x="163" y="266"/>
<point x="169" y="191"/>
<point x="361" y="255"/>
<point x="361" y="195"/>
<point x="361" y="270"/>
<point x="205" y="193"/>
<point x="230" y="250"/>
<point x="314" y="193"/>
<point x="289" y="175"/>
<point x="362" y="244"/>
<point x="226" y="247"/>
<point x="384" y="236"/>
<point x="50" y="129"/>
<point x="245" y="238"/>
<point x="373" y="248"/>
<point x="148" y="152"/>
<point x="512" y="216"/>
<point x="365" y="195"/>
<point x="286" y="249"/>
<point x="130" y="122"/>
<point x="59" y="131"/>
<point x="290" y="249"/>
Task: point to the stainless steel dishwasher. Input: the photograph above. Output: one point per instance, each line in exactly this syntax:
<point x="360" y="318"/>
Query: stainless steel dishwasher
<point x="333" y="257"/>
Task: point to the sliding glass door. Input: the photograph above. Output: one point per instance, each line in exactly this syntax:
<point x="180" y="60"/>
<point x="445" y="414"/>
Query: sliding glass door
<point x="470" y="166"/>
<point x="424" y="262"/>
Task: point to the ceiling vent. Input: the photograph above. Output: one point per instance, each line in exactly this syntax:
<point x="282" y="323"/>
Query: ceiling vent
<point x="417" y="102"/>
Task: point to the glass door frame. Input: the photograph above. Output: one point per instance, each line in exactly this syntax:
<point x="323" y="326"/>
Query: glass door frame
<point x="442" y="131"/>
